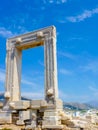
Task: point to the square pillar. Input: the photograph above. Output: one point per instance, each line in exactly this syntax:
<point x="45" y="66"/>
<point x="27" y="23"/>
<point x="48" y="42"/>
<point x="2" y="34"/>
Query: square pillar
<point x="51" y="84"/>
<point x="13" y="74"/>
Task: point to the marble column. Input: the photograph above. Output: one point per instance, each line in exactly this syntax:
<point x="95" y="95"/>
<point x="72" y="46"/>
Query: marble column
<point x="51" y="86"/>
<point x="9" y="73"/>
<point x="16" y="92"/>
<point x="13" y="74"/>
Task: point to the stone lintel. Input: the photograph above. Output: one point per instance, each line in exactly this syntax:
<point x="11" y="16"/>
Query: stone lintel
<point x="17" y="105"/>
<point x="34" y="38"/>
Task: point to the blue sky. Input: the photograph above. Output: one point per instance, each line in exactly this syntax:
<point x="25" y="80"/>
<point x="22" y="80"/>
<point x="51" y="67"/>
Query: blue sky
<point x="76" y="22"/>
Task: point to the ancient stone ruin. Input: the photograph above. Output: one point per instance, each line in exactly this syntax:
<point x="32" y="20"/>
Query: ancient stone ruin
<point x="46" y="113"/>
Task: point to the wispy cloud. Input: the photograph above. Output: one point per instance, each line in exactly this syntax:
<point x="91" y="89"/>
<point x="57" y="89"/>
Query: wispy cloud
<point x="33" y="95"/>
<point x="91" y="66"/>
<point x="51" y="1"/>
<point x="62" y="21"/>
<point x="25" y="79"/>
<point x="94" y="90"/>
<point x="81" y="17"/>
<point x="55" y="1"/>
<point x="27" y="82"/>
<point x="75" y="38"/>
<point x="31" y="81"/>
<point x="65" y="72"/>
<point x="61" y="1"/>
<point x="69" y="97"/>
<point x="41" y="63"/>
<point x="63" y="95"/>
<point x="5" y="33"/>
<point x="66" y="54"/>
<point x="2" y="75"/>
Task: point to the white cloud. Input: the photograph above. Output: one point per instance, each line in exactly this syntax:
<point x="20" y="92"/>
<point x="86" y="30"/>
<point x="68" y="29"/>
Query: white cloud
<point x="65" y="72"/>
<point x="81" y="17"/>
<point x="5" y="33"/>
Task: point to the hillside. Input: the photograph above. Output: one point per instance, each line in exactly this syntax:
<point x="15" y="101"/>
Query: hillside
<point x="94" y="103"/>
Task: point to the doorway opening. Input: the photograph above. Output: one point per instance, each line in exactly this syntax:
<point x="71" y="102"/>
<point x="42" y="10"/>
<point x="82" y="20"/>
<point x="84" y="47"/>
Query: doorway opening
<point x="32" y="76"/>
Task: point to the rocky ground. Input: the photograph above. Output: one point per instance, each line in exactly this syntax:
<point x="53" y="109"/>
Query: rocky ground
<point x="69" y="123"/>
<point x="14" y="127"/>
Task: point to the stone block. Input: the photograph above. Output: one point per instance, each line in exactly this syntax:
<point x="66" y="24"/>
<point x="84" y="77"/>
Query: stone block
<point x="20" y="122"/>
<point x="51" y="118"/>
<point x="43" y="104"/>
<point x="52" y="126"/>
<point x="35" y="104"/>
<point x="50" y="113"/>
<point x="33" y="124"/>
<point x="50" y="122"/>
<point x="28" y="127"/>
<point x="24" y="115"/>
<point x="5" y="117"/>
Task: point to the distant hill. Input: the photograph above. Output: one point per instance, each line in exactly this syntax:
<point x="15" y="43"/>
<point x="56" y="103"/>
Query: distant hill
<point x="2" y="97"/>
<point x="76" y="106"/>
<point x="93" y="103"/>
